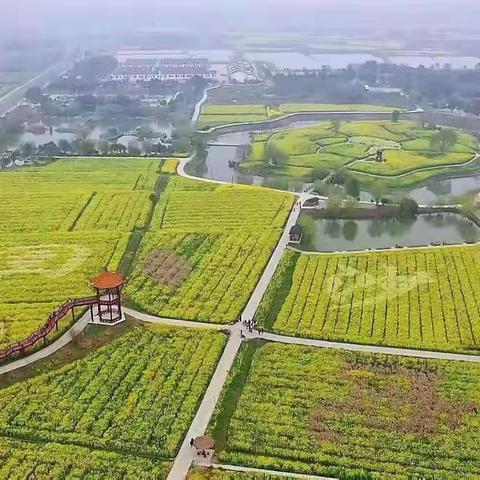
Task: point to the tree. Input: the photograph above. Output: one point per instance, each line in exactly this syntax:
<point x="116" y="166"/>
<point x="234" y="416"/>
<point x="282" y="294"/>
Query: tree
<point x="86" y="147"/>
<point x="350" y="205"/>
<point x="133" y="149"/>
<point x="334" y="204"/>
<point x="407" y="208"/>
<point x="352" y="187"/>
<point x="443" y="140"/>
<point x="34" y="95"/>
<point x="103" y="147"/>
<point x="118" y="148"/>
<point x="319" y="173"/>
<point x="395" y="116"/>
<point x="28" y="149"/>
<point x="378" y="191"/>
<point x="335" y="125"/>
<point x="64" y="145"/>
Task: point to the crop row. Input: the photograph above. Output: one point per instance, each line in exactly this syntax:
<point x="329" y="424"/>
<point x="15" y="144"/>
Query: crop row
<point x="115" y="211"/>
<point x="332" y="413"/>
<point x="425" y="298"/>
<point x="185" y="207"/>
<point x="136" y="395"/>
<point x="224" y="271"/>
<point x="20" y="460"/>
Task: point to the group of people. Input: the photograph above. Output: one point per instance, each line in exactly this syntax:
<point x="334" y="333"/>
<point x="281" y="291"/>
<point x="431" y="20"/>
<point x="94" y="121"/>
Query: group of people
<point x="251" y="326"/>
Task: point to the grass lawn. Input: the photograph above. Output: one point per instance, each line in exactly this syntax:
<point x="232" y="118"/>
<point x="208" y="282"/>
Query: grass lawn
<point x="349" y="415"/>
<point x="406" y="148"/>
<point x="333" y="107"/>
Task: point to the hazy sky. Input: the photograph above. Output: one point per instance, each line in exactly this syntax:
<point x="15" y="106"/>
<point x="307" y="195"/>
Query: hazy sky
<point x="47" y="16"/>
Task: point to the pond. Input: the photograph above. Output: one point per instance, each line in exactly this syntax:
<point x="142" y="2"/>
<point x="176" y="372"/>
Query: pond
<point x="296" y="61"/>
<point x="444" y="192"/>
<point x="230" y="147"/>
<point x="458" y="63"/>
<point x="329" y="235"/>
<point x="71" y="132"/>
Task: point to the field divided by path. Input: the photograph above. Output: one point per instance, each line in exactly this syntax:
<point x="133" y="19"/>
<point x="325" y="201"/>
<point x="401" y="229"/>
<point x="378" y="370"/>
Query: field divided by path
<point x="340" y="414"/>
<point x="206" y="249"/>
<point x="418" y="298"/>
<point x="123" y="409"/>
<point x="62" y="224"/>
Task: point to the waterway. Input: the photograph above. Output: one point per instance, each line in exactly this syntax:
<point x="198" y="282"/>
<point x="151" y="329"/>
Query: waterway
<point x="331" y="235"/>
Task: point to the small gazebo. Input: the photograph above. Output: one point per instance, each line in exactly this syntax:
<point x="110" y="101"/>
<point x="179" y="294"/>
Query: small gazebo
<point x="108" y="286"/>
<point x="204" y="447"/>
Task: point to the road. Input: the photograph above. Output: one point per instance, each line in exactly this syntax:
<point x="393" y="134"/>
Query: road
<point x="15" y="96"/>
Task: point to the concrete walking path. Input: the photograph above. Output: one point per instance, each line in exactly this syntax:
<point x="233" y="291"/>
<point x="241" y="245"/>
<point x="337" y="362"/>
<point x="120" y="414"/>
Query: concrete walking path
<point x="310" y="342"/>
<point x="66" y="338"/>
<point x="356" y="347"/>
<point x="145" y="317"/>
<point x="276" y="473"/>
<point x="185" y="455"/>
<point x="265" y="279"/>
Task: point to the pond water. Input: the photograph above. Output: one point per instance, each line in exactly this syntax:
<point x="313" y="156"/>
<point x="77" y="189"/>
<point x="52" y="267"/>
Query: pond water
<point x="444" y="191"/>
<point x="228" y="147"/>
<point x="296" y="60"/>
<point x="96" y="133"/>
<point x="343" y="235"/>
<point x="428" y="61"/>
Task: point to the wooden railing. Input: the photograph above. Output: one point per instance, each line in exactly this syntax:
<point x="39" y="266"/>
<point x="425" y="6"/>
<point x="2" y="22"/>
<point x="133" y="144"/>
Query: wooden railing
<point x="52" y="323"/>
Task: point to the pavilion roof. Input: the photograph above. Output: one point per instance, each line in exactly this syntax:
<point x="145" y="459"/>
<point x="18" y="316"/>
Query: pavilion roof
<point x="107" y="280"/>
<point x="205" y="442"/>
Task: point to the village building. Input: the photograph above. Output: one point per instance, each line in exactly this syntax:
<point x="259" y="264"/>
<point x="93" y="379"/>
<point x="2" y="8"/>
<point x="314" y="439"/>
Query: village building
<point x="176" y="70"/>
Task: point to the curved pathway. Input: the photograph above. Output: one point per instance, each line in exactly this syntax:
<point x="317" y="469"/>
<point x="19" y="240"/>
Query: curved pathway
<point x="237" y="334"/>
<point x="66" y="338"/>
<point x="410" y="172"/>
<point x="285" y="120"/>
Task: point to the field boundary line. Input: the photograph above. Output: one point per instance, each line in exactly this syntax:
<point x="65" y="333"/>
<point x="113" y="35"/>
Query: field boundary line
<point x="174" y="322"/>
<point x="368" y="348"/>
<point x="236" y="468"/>
<point x="476" y="156"/>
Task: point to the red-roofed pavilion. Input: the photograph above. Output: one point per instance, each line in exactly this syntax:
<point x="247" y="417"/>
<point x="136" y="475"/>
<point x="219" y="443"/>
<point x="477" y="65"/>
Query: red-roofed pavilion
<point x="108" y="286"/>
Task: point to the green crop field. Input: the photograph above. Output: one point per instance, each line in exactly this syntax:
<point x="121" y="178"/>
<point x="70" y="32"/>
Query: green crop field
<point x="213" y="115"/>
<point x="353" y="146"/>
<point x="333" y="107"/>
<point x="218" y="474"/>
<point x="423" y="298"/>
<point x="21" y="459"/>
<point x="349" y="415"/>
<point x="206" y="249"/>
<point x="131" y="400"/>
<point x="224" y="114"/>
<point x="62" y="224"/>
